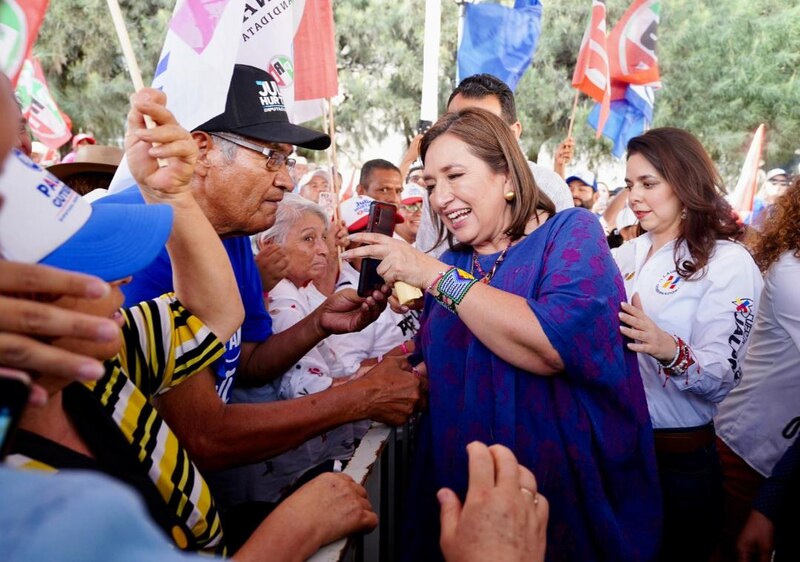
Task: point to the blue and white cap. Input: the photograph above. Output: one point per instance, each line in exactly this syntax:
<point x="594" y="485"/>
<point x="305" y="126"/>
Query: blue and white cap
<point x="44" y="221"/>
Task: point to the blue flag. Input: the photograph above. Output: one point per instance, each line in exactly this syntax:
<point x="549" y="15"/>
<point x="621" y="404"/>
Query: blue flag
<point x="498" y="40"/>
<point x="628" y="118"/>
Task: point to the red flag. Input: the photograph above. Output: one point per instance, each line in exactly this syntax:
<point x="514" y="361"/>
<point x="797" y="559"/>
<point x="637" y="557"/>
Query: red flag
<point x="743" y="194"/>
<point x="632" y="44"/>
<point x="315" y="54"/>
<point x="592" y="71"/>
<point x="20" y="21"/>
<point x="40" y="109"/>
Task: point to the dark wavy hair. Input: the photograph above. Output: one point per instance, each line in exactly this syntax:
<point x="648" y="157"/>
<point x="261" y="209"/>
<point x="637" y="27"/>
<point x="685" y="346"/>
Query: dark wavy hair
<point x="489" y="138"/>
<point x="683" y="162"/>
<point x="781" y="230"/>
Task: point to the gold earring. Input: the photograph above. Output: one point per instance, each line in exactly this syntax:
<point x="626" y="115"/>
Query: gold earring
<point x="509" y="196"/>
<point x="683" y="214"/>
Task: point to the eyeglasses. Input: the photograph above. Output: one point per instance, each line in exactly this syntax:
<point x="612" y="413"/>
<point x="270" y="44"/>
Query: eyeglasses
<point x="275" y="159"/>
<point x="413" y="207"/>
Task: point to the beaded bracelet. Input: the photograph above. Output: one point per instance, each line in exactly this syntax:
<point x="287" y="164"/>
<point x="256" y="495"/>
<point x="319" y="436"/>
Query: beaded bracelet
<point x="453" y="287"/>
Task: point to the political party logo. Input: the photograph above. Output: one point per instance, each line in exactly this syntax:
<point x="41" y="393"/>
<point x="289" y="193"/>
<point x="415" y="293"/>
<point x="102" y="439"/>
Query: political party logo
<point x="669" y="283"/>
<point x="269" y="95"/>
<point x="362" y="206"/>
<point x="743" y="305"/>
<point x="743" y="317"/>
<point x="281" y="69"/>
<point x="13" y="37"/>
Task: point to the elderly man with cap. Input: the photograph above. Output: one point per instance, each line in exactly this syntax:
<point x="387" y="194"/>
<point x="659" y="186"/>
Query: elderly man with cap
<point x="240" y="178"/>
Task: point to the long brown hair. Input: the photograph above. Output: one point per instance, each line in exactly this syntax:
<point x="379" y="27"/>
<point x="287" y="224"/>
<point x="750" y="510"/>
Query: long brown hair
<point x="683" y="162"/>
<point x="489" y="138"/>
<point x="781" y="230"/>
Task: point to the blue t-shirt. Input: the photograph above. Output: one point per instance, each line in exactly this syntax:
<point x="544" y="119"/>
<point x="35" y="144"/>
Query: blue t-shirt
<point x="156" y="280"/>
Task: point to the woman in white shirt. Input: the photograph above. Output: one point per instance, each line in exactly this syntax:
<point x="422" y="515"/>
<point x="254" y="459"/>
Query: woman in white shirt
<point x="759" y="419"/>
<point x="693" y="297"/>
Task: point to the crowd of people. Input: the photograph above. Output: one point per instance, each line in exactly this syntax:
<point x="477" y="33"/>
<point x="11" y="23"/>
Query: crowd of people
<point x="588" y="375"/>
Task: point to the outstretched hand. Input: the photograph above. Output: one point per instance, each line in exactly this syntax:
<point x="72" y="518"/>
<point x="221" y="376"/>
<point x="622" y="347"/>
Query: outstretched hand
<point x="28" y="320"/>
<point x="344" y="311"/>
<point x="174" y="145"/>
<point x="504" y="517"/>
<point x="646" y="335"/>
<point x="399" y="260"/>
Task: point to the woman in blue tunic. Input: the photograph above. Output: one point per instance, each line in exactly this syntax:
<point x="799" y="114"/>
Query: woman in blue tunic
<point x="520" y="337"/>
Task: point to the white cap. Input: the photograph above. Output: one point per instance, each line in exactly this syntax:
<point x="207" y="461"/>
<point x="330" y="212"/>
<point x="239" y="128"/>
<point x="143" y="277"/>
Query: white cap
<point x="412" y="193"/>
<point x="355" y="212"/>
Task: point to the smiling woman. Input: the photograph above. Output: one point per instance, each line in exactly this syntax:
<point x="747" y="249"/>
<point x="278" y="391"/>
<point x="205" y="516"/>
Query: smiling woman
<point x="693" y="297"/>
<point x="509" y="340"/>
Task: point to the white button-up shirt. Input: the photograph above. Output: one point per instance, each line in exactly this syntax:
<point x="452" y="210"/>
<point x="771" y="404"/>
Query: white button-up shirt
<point x="713" y="315"/>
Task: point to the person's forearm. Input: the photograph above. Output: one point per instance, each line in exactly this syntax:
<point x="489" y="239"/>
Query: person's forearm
<point x="615" y="205"/>
<point x="201" y="270"/>
<point x="249" y="433"/>
<point x="523" y="343"/>
<point x="267" y="360"/>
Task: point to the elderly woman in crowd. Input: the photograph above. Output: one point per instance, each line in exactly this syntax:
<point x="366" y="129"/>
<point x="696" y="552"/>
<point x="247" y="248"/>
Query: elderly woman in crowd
<point x="693" y="298"/>
<point x="250" y="492"/>
<point x="520" y="337"/>
<point x="759" y="420"/>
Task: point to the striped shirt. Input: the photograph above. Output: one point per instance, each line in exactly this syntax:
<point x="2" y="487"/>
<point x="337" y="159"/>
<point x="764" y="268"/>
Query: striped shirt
<point x="163" y="344"/>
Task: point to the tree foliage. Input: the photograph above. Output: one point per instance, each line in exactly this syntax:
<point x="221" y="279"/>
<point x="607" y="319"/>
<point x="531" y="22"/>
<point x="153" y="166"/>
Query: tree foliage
<point x="727" y="65"/>
<point x="86" y="72"/>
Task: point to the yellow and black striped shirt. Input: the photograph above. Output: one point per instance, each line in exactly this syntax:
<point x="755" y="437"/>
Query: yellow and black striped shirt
<point x="163" y="344"/>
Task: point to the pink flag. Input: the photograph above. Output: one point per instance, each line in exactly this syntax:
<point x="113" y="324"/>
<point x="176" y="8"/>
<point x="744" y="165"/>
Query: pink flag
<point x="196" y="21"/>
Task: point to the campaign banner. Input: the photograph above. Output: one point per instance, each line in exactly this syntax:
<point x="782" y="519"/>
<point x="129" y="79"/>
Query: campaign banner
<point x="632" y="44"/>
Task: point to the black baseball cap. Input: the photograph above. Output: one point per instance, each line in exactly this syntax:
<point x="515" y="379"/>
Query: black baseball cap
<point x="255" y="109"/>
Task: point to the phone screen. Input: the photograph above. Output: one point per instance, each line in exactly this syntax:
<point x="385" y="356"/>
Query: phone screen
<point x="326" y="201"/>
<point x="14" y="390"/>
<point x="381" y="221"/>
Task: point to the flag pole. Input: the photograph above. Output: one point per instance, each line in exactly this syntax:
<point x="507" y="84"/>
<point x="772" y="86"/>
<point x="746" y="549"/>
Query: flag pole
<point x="130" y="59"/>
<point x="572" y="114"/>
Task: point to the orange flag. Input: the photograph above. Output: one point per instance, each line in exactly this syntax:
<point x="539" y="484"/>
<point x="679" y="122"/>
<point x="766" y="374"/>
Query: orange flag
<point x="315" y="53"/>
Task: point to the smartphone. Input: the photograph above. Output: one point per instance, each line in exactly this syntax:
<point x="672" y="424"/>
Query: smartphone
<point x="14" y="389"/>
<point x="423" y="126"/>
<point x="381" y="221"/>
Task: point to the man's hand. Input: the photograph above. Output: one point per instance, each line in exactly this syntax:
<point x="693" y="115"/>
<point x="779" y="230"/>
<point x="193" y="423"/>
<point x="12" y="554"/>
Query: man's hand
<point x="26" y="317"/>
<point x="391" y="392"/>
<point x="504" y="518"/>
<point x="273" y="264"/>
<point x="330" y="507"/>
<point x="175" y="145"/>
<point x="344" y="311"/>
<point x="757" y="539"/>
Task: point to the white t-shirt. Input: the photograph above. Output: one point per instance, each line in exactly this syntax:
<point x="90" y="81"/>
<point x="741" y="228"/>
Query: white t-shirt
<point x="713" y="315"/>
<point x="548" y="181"/>
<point x="752" y="418"/>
